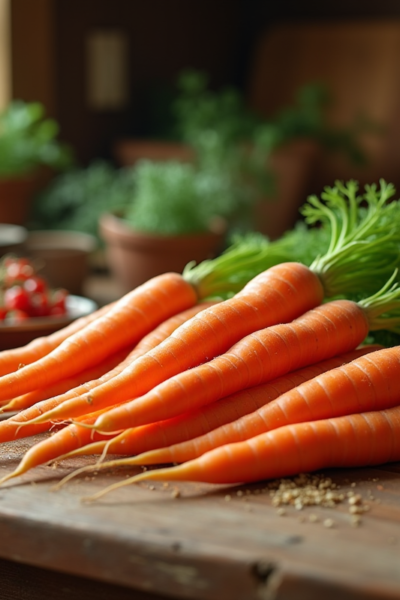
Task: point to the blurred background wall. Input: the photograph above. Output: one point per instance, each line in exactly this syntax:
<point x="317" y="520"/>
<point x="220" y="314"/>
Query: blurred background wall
<point x="105" y="69"/>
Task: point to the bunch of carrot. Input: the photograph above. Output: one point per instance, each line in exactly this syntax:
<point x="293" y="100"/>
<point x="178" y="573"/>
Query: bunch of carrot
<point x="238" y="367"/>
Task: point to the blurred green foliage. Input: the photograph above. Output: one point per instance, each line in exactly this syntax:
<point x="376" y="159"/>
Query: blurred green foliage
<point x="28" y="140"/>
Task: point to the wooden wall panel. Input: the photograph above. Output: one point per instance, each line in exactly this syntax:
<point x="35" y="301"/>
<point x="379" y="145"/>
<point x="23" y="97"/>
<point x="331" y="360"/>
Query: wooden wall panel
<point x="33" y="52"/>
<point x="358" y="60"/>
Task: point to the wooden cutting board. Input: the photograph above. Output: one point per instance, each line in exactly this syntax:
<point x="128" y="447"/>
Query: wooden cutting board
<point x="204" y="542"/>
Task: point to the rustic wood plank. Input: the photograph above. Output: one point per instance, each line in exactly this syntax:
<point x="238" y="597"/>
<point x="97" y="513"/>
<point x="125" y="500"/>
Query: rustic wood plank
<point x="225" y="542"/>
<point x="25" y="582"/>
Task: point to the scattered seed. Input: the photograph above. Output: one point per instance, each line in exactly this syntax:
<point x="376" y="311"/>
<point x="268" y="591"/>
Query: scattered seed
<point x="329" y="523"/>
<point x="355" y="499"/>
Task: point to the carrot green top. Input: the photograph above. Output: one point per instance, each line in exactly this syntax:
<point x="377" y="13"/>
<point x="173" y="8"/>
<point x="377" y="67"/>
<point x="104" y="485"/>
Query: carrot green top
<point x="383" y="307"/>
<point x="354" y="241"/>
<point x="364" y="247"/>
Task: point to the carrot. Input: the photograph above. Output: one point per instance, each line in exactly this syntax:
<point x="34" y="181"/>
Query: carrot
<point x="71" y="387"/>
<point x="332" y="328"/>
<point x="62" y="386"/>
<point x="280" y="293"/>
<point x="64" y="440"/>
<point x="19" y="425"/>
<point x="357" y="440"/>
<point x="131" y="317"/>
<point x="358" y="255"/>
<point x="11" y="360"/>
<point x="222" y="276"/>
<point x="156" y="437"/>
<point x="367" y="383"/>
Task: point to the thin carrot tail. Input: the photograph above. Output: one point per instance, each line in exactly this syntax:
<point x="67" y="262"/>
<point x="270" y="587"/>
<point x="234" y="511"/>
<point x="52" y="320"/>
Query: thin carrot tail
<point x="75" y="435"/>
<point x="96" y="466"/>
<point x="179" y="473"/>
<point x="88" y="449"/>
<point x="72" y="475"/>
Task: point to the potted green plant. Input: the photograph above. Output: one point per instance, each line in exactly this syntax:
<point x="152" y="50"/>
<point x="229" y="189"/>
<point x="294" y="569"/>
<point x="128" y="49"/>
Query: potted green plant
<point x="276" y="156"/>
<point x="151" y="217"/>
<point x="28" y="146"/>
<point x="281" y="151"/>
<point x="75" y="199"/>
<point x="179" y="212"/>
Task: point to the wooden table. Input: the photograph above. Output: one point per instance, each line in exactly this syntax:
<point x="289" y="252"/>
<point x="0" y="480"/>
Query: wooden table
<point x="208" y="543"/>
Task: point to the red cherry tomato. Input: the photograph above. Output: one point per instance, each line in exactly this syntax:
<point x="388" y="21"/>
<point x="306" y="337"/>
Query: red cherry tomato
<point x="17" y="298"/>
<point x="39" y="305"/>
<point x="59" y="302"/>
<point x="35" y="284"/>
<point x="18" y="270"/>
<point x="26" y="294"/>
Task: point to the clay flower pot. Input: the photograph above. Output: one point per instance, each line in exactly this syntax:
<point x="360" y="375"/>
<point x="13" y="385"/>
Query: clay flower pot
<point x="134" y="257"/>
<point x="129" y="151"/>
<point x="293" y="165"/>
<point x="17" y="194"/>
<point x="15" y="199"/>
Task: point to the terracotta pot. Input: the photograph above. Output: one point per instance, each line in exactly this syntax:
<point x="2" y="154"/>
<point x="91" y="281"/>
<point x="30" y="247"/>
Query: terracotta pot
<point x="134" y="257"/>
<point x="17" y="194"/>
<point x="63" y="257"/>
<point x="15" y="198"/>
<point x="294" y="166"/>
<point x="128" y="152"/>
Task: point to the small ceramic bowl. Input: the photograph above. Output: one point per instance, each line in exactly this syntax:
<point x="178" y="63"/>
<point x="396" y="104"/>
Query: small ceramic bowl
<point x="14" y="336"/>
<point x="12" y="239"/>
<point x="63" y="257"/>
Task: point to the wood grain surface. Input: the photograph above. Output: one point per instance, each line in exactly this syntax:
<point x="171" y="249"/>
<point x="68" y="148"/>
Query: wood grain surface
<point x="203" y="542"/>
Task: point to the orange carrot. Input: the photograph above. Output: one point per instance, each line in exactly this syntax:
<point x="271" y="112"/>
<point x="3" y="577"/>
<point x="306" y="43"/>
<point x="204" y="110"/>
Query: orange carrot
<point x="11" y="360"/>
<point x="65" y="442"/>
<point x="62" y="386"/>
<point x="131" y="317"/>
<point x="357" y="440"/>
<point x="279" y="294"/>
<point x="159" y="437"/>
<point x="332" y="328"/>
<point x="17" y="427"/>
<point x="367" y="383"/>
<point x="70" y="388"/>
<point x="363" y="249"/>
